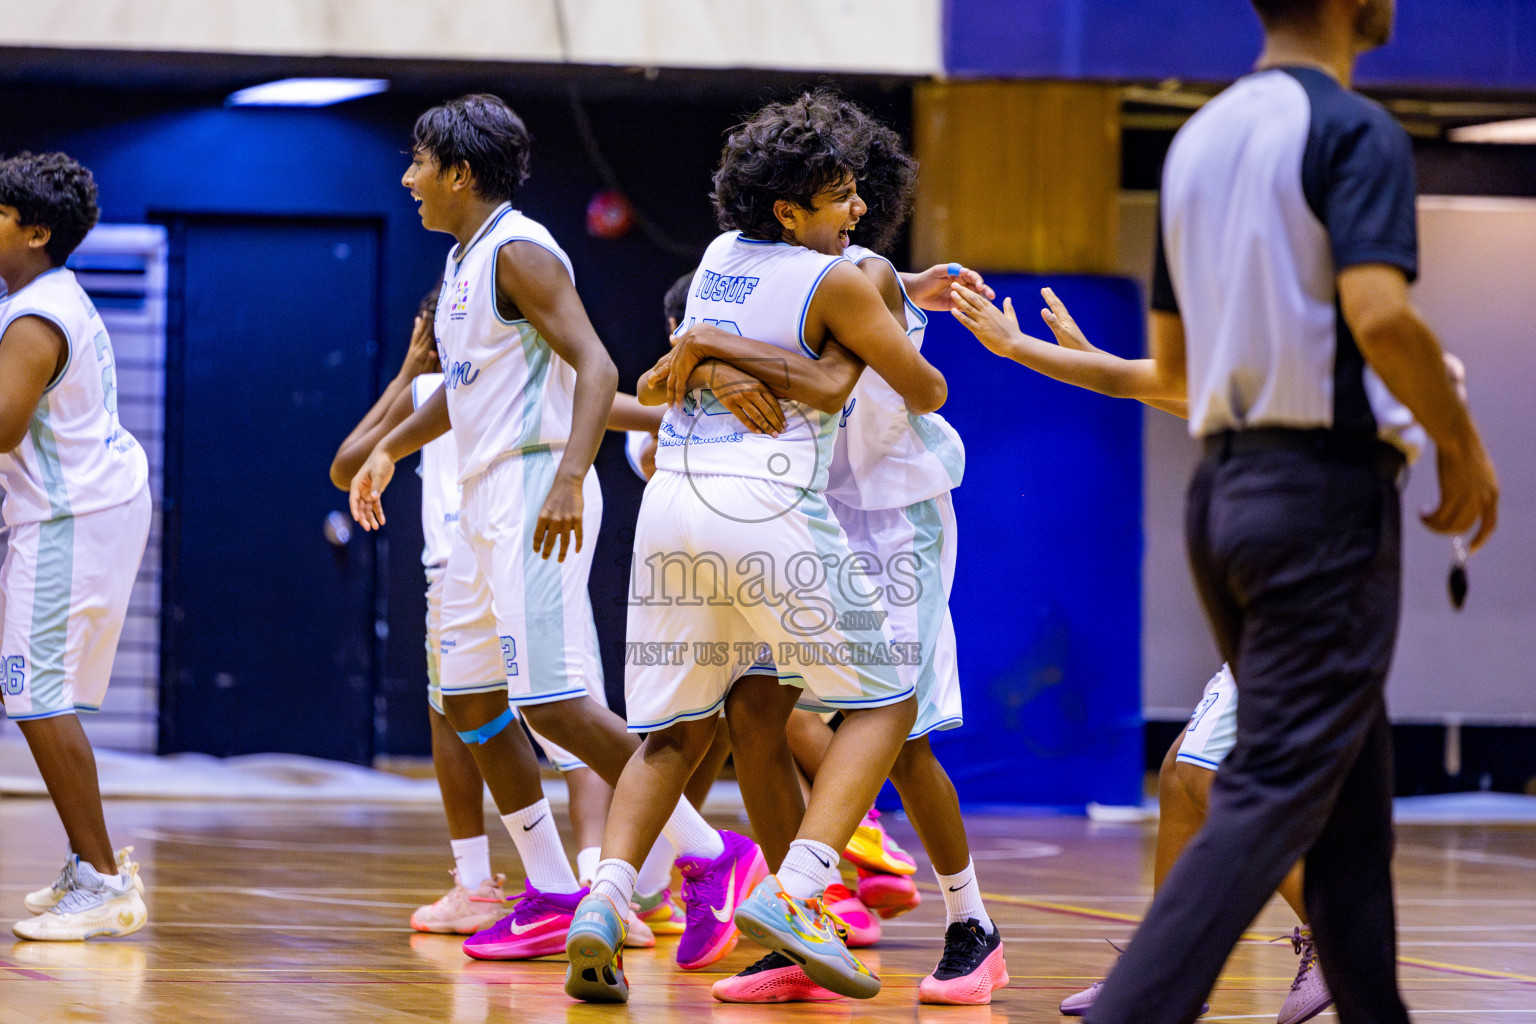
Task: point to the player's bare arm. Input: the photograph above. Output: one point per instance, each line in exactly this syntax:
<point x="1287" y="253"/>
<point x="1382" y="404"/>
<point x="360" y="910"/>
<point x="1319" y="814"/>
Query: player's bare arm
<point x="532" y="283"/>
<point x="387" y="413"/>
<point x="366" y="491"/>
<point x="32" y="353"/>
<point x="1079" y="364"/>
<point x="1403" y="351"/>
<point x="747" y="397"/>
<point x="391" y="410"/>
<point x="823" y="383"/>
<point x="820" y="383"/>
<point x="848" y="308"/>
<point x="629" y="414"/>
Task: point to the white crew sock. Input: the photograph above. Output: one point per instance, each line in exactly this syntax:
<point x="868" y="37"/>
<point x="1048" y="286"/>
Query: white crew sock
<point x="656" y="872"/>
<point x="586" y="864"/>
<point x="616" y="880"/>
<point x="690" y="833"/>
<point x="962" y="898"/>
<point x="472" y="858"/>
<point x="538" y="844"/>
<point x="809" y="867"/>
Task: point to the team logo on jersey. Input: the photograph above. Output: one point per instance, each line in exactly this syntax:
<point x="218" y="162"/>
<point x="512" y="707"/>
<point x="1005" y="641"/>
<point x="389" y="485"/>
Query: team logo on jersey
<point x="458" y="303"/>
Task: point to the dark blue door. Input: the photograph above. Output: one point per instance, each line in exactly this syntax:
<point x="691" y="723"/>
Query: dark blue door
<point x="269" y="640"/>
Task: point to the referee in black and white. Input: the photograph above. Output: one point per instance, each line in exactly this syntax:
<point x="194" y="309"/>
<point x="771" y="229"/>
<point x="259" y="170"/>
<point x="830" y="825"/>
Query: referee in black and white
<point x="1280" y="301"/>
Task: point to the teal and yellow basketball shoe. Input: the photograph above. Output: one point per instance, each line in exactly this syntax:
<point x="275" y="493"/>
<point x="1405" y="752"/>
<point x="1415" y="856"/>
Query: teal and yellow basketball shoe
<point x="805" y="933"/>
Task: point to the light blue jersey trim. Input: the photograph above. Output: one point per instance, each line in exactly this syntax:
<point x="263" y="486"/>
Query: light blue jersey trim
<point x="826" y="538"/>
<point x="809" y="295"/>
<point x="683" y="716"/>
<point x="866" y="702"/>
<point x="469" y="688"/>
<point x="496" y="217"/>
<point x="543" y="596"/>
<point x="51" y="595"/>
<point x="49" y="466"/>
<point x="537" y="357"/>
<point x="495" y="298"/>
<point x="69" y="339"/>
<point x="927" y="548"/>
<point x="529" y="699"/>
<point x="948" y="723"/>
<point x="42" y="715"/>
<point x="1196" y="759"/>
<point x="906" y="300"/>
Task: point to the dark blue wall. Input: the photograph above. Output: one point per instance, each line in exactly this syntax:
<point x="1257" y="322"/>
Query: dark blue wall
<point x="1047" y="595"/>
<point x="1446" y="43"/>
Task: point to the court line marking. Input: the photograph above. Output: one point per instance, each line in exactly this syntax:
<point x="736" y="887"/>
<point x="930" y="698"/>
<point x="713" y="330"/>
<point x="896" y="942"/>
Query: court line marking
<point x="25" y="972"/>
<point x="232" y="842"/>
<point x="278" y="894"/>
<point x="1115" y="915"/>
<point x="1508" y="860"/>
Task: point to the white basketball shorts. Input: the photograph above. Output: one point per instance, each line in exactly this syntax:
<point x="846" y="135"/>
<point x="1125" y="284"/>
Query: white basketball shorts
<point x="912" y="561"/>
<point x="728" y="570"/>
<point x="1212" y="731"/>
<point x="510" y="619"/>
<point x="64" y="590"/>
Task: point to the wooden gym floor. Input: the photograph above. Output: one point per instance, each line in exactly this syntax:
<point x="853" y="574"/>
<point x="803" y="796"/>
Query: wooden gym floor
<point x="278" y="912"/>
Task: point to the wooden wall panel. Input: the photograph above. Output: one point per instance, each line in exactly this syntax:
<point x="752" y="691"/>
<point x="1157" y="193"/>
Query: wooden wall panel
<point x="1017" y="176"/>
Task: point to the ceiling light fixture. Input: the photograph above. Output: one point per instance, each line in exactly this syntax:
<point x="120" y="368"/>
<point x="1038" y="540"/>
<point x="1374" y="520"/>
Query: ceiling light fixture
<point x="1522" y="130"/>
<point x="306" y="92"/>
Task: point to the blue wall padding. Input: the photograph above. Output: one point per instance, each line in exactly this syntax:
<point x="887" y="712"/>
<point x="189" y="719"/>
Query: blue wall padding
<point x="1448" y="43"/>
<point x="1047" y="595"/>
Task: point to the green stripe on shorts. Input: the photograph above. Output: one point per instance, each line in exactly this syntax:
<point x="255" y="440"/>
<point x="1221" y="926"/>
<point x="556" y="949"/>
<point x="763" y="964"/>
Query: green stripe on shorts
<point x="543" y="652"/>
<point x="928" y="548"/>
<point x="50" y="614"/>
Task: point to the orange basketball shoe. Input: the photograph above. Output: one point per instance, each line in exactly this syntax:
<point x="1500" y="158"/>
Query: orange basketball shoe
<point x="872" y="849"/>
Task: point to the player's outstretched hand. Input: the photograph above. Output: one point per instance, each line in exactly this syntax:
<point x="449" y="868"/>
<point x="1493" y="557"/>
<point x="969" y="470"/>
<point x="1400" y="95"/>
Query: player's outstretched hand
<point x="421" y="354"/>
<point x="560" y="518"/>
<point x="1056" y="317"/>
<point x="367" y="490"/>
<point x="748" y="398"/>
<point x="930" y="289"/>
<point x="998" y="329"/>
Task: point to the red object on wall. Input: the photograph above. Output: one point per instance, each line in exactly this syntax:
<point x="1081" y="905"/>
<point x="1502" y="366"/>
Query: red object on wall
<point x="609" y="215"/>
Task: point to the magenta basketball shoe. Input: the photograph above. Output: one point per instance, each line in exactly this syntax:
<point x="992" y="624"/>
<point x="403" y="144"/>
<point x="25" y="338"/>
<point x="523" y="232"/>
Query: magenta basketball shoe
<point x="712" y="890"/>
<point x="536" y="927"/>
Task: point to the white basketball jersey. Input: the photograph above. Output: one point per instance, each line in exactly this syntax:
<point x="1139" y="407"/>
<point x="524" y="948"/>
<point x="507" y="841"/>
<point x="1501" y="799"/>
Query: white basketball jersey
<point x="760" y="290"/>
<point x="508" y="393"/>
<point x="439" y="482"/>
<point x="885" y="457"/>
<point x="76" y="457"/>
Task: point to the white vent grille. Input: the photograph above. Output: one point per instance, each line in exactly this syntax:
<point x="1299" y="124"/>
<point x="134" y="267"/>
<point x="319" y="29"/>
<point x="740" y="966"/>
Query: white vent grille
<point x="123" y="268"/>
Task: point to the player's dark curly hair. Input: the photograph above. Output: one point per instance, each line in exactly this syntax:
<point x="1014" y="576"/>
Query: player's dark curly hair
<point x="482" y="131"/>
<point x="789" y="151"/>
<point x="887" y="185"/>
<point x="52" y="190"/>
